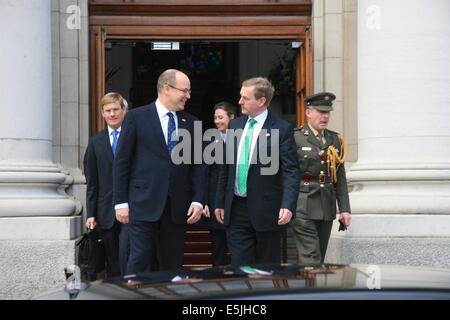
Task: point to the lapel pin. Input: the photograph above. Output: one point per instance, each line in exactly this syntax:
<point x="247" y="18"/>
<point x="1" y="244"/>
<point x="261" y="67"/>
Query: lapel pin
<point x="182" y="119"/>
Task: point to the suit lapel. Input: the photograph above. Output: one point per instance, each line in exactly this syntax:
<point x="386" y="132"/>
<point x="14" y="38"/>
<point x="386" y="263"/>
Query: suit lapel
<point x="328" y="139"/>
<point x="155" y="123"/>
<point x="182" y="121"/>
<point x="105" y="145"/>
<point x="240" y="125"/>
<point x="263" y="137"/>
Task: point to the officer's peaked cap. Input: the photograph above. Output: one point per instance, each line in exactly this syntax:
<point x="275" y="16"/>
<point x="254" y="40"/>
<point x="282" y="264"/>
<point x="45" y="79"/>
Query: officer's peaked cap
<point x="322" y="101"/>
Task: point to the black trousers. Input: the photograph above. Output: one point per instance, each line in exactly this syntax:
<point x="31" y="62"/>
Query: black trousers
<point x="124" y="248"/>
<point x="115" y="241"/>
<point x="156" y="243"/>
<point x="247" y="245"/>
<point x="219" y="247"/>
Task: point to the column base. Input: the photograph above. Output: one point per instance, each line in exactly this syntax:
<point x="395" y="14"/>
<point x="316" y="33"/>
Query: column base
<point x="399" y="189"/>
<point x="35" y="190"/>
<point x="34" y="252"/>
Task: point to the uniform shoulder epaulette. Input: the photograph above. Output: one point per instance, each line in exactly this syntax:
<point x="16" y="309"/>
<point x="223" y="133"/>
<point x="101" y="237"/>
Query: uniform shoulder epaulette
<point x="298" y="128"/>
<point x="331" y="131"/>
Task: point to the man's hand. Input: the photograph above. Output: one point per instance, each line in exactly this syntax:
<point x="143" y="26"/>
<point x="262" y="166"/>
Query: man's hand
<point x="90" y="223"/>
<point x="284" y="216"/>
<point x="123" y="215"/>
<point x="194" y="213"/>
<point x="206" y="212"/>
<point x="220" y="213"/>
<point x="345" y="217"/>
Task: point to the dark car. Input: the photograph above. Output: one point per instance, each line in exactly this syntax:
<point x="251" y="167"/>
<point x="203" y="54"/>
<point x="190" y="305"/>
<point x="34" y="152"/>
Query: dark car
<point x="269" y="282"/>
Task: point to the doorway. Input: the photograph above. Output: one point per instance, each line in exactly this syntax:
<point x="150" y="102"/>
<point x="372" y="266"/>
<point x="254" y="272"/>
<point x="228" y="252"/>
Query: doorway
<point x="216" y="69"/>
<point x="245" y="31"/>
<point x="252" y="38"/>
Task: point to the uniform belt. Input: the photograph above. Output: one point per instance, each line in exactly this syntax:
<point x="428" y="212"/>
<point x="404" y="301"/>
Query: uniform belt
<point x="319" y="178"/>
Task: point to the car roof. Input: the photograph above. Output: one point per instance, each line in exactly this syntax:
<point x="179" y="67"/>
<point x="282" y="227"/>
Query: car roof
<point x="285" y="281"/>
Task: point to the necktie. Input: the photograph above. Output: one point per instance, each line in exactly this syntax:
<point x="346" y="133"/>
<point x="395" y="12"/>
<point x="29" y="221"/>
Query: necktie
<point x="320" y="138"/>
<point x="115" y="134"/>
<point x="244" y="159"/>
<point x="170" y="130"/>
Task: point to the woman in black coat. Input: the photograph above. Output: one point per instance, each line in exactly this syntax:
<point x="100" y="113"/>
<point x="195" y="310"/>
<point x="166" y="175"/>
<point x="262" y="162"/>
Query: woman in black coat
<point x="223" y="113"/>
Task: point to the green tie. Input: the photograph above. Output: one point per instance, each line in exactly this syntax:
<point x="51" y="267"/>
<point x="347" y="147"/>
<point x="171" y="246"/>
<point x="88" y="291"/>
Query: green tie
<point x="244" y="159"/>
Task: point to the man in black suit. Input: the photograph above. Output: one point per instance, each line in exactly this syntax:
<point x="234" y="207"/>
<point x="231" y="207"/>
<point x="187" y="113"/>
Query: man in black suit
<point x="153" y="194"/>
<point x="256" y="205"/>
<point x="98" y="164"/>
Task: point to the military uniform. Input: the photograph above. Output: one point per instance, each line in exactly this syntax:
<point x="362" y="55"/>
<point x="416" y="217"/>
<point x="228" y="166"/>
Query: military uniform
<point x="321" y="186"/>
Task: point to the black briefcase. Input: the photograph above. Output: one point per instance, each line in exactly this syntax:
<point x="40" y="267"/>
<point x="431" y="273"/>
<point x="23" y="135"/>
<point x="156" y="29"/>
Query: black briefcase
<point x="91" y="255"/>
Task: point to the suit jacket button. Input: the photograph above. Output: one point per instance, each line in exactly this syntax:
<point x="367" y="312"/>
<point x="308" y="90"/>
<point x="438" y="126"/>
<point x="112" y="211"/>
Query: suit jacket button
<point x="322" y="162"/>
<point x="321" y="185"/>
<point x="305" y="156"/>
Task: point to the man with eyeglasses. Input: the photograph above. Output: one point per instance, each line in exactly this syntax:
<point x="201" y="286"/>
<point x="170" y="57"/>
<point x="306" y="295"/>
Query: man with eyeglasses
<point x="156" y="197"/>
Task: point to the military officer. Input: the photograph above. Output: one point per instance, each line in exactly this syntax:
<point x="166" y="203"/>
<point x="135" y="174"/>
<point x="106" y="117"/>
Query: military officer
<point x="321" y="155"/>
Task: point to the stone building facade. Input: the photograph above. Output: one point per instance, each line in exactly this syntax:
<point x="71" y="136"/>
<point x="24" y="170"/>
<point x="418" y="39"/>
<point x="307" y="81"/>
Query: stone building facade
<point x="386" y="61"/>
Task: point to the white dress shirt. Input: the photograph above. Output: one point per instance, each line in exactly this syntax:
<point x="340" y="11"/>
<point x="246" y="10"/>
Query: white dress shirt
<point x="111" y="137"/>
<point x="224" y="136"/>
<point x="164" y="119"/>
<point x="316" y="134"/>
<point x="260" y="119"/>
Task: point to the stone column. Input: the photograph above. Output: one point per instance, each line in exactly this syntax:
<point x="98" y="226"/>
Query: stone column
<point x="401" y="182"/>
<point x="37" y="226"/>
<point x="334" y="64"/>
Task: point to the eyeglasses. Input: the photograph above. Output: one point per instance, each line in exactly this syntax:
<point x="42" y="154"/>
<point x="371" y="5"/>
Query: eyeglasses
<point x="186" y="91"/>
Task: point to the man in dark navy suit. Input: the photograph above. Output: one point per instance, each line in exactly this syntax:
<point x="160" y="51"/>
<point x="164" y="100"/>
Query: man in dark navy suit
<point x="98" y="164"/>
<point x="255" y="201"/>
<point x="157" y="197"/>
